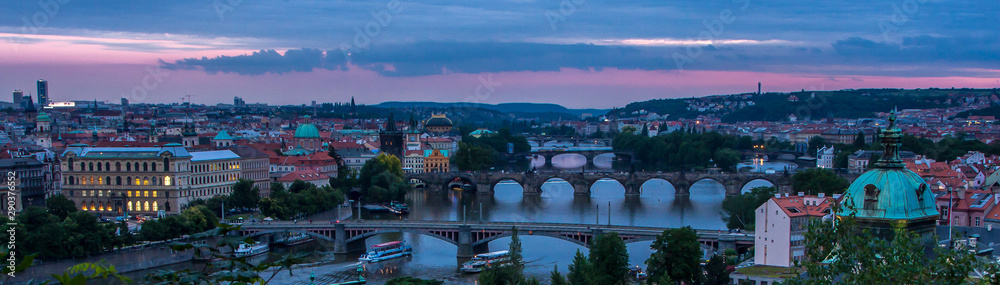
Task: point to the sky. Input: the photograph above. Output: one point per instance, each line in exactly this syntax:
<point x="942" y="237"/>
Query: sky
<point x="576" y="53"/>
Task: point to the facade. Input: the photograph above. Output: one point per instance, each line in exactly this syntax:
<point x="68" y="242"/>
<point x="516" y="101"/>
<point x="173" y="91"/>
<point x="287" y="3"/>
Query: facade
<point x="781" y="224"/>
<point x="223" y="139"/>
<point x="857" y="162"/>
<point x="43" y="131"/>
<point x="355" y="158"/>
<point x="254" y="166"/>
<point x="443" y="143"/>
<point x="889" y="195"/>
<point x="18" y="96"/>
<point x="116" y="181"/>
<point x="391" y="140"/>
<point x="213" y="173"/>
<point x="414" y="161"/>
<point x="967" y="208"/>
<point x="307" y="136"/>
<point x="29" y="179"/>
<point x="307" y="175"/>
<point x="824" y="157"/>
<point x="436" y="160"/>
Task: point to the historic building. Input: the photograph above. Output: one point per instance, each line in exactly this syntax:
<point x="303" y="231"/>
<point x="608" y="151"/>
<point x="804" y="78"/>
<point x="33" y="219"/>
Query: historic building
<point x="213" y="173"/>
<point x="391" y="139"/>
<point x="254" y="165"/>
<point x="781" y="224"/>
<point x="436" y="161"/>
<point x="890" y="195"/>
<point x="29" y="178"/>
<point x="438" y="123"/>
<point x="307" y="137"/>
<point x="127" y="180"/>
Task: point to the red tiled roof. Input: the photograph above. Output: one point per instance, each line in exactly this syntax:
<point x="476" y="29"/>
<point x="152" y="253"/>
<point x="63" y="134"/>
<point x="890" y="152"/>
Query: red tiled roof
<point x="304" y="175"/>
<point x="796" y="206"/>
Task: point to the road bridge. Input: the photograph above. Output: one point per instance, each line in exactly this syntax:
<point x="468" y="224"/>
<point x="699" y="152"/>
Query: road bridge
<point x="472" y="238"/>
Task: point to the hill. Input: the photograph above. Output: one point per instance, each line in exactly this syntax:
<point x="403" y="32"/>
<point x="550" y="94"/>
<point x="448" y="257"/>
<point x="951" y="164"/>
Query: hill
<point x="521" y="108"/>
<point x="858" y="103"/>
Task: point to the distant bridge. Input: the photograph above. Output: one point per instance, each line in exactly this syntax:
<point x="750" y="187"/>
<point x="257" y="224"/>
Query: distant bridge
<point x="572" y="140"/>
<point x="589" y="154"/>
<point x="582" y="182"/>
<point x="474" y="238"/>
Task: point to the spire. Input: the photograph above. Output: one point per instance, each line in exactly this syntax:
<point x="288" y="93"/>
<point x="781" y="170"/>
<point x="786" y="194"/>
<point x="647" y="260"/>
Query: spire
<point x="891" y="140"/>
<point x="390" y="125"/>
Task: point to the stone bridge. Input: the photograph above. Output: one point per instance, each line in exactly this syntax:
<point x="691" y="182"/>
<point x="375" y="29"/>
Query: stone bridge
<point x="542" y="140"/>
<point x="531" y="182"/>
<point x="472" y="238"/>
<point x="589" y="154"/>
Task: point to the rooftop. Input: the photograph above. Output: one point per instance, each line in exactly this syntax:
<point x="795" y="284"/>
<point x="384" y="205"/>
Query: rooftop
<point x="213" y="155"/>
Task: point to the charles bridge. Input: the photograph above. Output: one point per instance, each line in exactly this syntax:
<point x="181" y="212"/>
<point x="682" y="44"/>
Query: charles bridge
<point x="531" y="182"/>
<point x="472" y="238"/>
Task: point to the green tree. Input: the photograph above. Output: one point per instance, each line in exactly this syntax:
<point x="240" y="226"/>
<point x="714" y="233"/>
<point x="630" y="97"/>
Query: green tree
<point x="815" y="143"/>
<point x="59" y="206"/>
<point x="859" y="141"/>
<point x="244" y="195"/>
<point x="739" y="210"/>
<point x="677" y="254"/>
<point x="556" y="278"/>
<point x="473" y="158"/>
<point x="716" y="272"/>
<point x="516" y="256"/>
<point x="579" y="270"/>
<point x="370" y="176"/>
<point x="726" y="158"/>
<point x="819" y="180"/>
<point x="609" y="259"/>
<point x="407" y="280"/>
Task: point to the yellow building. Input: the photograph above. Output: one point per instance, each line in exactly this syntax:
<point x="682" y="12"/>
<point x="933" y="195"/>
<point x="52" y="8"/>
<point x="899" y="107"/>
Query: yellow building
<point x="436" y="161"/>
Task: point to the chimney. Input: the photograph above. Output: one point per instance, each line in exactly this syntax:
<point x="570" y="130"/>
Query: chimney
<point x="777" y="195"/>
<point x="786" y="195"/>
<point x="821" y="194"/>
<point x="802" y="194"/>
<point x="961" y="193"/>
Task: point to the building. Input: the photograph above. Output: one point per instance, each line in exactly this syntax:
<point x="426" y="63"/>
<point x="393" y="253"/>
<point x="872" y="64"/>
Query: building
<point x="413" y="162"/>
<point x="391" y="140"/>
<point x="781" y="224"/>
<point x="355" y="158"/>
<point x="966" y="208"/>
<point x="444" y="143"/>
<point x="18" y="96"/>
<point x="890" y="195"/>
<point x="116" y="181"/>
<point x="307" y="175"/>
<point x="824" y="157"/>
<point x="307" y="136"/>
<point x="213" y="173"/>
<point x="254" y="166"/>
<point x="43" y="131"/>
<point x="223" y="139"/>
<point x="29" y="177"/>
<point x="858" y="161"/>
<point x="436" y="160"/>
<point x="43" y="93"/>
<point x="438" y="123"/>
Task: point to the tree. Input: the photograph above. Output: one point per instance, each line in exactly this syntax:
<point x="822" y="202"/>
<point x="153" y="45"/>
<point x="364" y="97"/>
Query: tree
<point x="59" y="206"/>
<point x="556" y="278"/>
<point x="716" y="272"/>
<point x="579" y="270"/>
<point x="375" y="166"/>
<point x="244" y="195"/>
<point x="407" y="280"/>
<point x="726" y="158"/>
<point x="819" y="180"/>
<point x="815" y="143"/>
<point x="516" y="256"/>
<point x="677" y="254"/>
<point x="473" y="158"/>
<point x="739" y="210"/>
<point x="609" y="259"/>
<point x="859" y="141"/>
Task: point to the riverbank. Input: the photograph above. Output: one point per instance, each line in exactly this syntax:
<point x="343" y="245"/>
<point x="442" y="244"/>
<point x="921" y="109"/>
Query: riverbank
<point x="124" y="261"/>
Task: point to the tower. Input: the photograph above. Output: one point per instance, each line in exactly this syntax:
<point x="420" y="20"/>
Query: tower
<point x="758" y="88"/>
<point x="390" y="139"/>
<point x="889" y="195"/>
<point x="43" y="93"/>
<point x="43" y="130"/>
<point x="18" y="96"/>
<point x="190" y="136"/>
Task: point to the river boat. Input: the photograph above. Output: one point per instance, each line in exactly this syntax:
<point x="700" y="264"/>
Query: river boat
<point x="384" y="251"/>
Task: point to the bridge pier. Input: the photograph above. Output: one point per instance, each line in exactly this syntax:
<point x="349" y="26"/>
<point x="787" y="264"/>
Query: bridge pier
<point x="581" y="189"/>
<point x="339" y="239"/>
<point x="465" y="248"/>
<point x="484" y="188"/>
<point x="726" y="242"/>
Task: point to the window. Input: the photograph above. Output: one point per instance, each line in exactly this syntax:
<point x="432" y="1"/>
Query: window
<point x="145" y="182"/>
<point x="91" y="166"/>
<point x="146" y="206"/>
<point x="137" y="182"/>
<point x="91" y="180"/>
<point x="118" y="166"/>
<point x="130" y="193"/>
<point x="977" y="221"/>
<point x="145" y="166"/>
<point x="70" y="164"/>
<point x="107" y="180"/>
<point x="98" y="166"/>
<point x="166" y="181"/>
<point x="130" y="204"/>
<point x="118" y="180"/>
<point x="154" y="194"/>
<point x="871" y="196"/>
<point x="128" y="166"/>
<point x="107" y="167"/>
<point x="145" y="193"/>
<point x="156" y="206"/>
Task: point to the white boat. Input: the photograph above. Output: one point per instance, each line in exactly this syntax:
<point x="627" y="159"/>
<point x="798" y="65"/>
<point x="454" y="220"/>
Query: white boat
<point x="482" y="261"/>
<point x="291" y="239"/>
<point x="389" y="250"/>
<point x="245" y="249"/>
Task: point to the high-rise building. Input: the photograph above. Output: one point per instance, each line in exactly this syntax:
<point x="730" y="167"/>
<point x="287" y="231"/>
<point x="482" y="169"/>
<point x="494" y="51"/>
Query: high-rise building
<point x="43" y="93"/>
<point x="238" y="101"/>
<point x="18" y="95"/>
<point x="124" y="102"/>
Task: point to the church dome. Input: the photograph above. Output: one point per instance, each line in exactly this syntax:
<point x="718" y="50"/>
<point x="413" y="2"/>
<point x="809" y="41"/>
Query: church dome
<point x="307" y="130"/>
<point x="42" y="117"/>
<point x="889" y="192"/>
<point x="438" y="121"/>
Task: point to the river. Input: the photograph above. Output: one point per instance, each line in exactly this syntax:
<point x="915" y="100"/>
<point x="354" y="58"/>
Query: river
<point x="656" y="206"/>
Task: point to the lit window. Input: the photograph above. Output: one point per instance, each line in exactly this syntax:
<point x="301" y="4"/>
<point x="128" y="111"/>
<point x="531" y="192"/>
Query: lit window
<point x="166" y="181"/>
<point x="145" y="206"/>
<point x="156" y="206"/>
<point x="130" y="205"/>
<point x="137" y="182"/>
<point x="154" y="193"/>
<point x="130" y="193"/>
<point x="145" y="193"/>
<point x="145" y="182"/>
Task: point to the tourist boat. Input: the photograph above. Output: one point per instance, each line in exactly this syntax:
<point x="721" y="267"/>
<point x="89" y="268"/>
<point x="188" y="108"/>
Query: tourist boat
<point x="399" y="208"/>
<point x="245" y="249"/>
<point x="389" y="250"/>
<point x="486" y="260"/>
<point x="291" y="239"/>
<point x="637" y="273"/>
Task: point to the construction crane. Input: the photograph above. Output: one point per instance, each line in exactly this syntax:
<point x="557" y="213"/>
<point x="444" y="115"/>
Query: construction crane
<point x="188" y="98"/>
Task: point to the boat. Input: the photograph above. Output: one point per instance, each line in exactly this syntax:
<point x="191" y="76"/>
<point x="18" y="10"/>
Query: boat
<point x="291" y="239"/>
<point x="245" y="249"/>
<point x="388" y="250"/>
<point x="399" y="208"/>
<point x="372" y="208"/>
<point x="482" y="261"/>
<point x="636" y="273"/>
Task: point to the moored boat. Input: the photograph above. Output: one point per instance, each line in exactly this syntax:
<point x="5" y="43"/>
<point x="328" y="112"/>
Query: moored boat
<point x="399" y="208"/>
<point x="291" y="239"/>
<point x="388" y="250"/>
<point x="245" y="249"/>
<point x="486" y="260"/>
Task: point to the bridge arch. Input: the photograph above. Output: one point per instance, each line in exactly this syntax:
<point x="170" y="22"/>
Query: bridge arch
<point x="747" y="182"/>
<point x="624" y="185"/>
<point x="726" y="185"/>
<point x="316" y="234"/>
<point x="642" y="185"/>
<point x="462" y="179"/>
<point x="529" y="233"/>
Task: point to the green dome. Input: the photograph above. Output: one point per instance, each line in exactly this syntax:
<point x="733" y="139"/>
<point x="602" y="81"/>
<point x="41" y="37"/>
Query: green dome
<point x="889" y="192"/>
<point x="42" y="117"/>
<point x="307" y="131"/>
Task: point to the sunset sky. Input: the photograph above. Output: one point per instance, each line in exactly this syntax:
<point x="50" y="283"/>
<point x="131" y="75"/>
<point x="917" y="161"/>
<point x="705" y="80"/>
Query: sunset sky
<point x="577" y="53"/>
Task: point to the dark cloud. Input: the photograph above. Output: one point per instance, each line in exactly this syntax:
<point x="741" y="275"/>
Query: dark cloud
<point x="263" y="61"/>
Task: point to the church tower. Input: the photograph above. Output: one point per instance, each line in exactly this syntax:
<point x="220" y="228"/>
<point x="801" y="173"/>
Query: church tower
<point x="43" y="130"/>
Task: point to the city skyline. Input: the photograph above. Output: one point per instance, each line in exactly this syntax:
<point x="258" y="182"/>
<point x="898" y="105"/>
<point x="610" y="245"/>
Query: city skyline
<point x="574" y="53"/>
